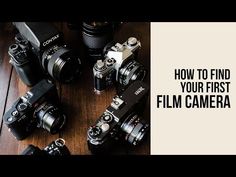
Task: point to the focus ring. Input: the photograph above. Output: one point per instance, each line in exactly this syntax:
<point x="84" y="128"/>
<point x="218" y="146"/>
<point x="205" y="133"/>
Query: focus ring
<point x="53" y="59"/>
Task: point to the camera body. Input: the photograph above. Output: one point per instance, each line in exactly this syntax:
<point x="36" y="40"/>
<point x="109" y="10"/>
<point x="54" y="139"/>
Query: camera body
<point x="37" y="108"/>
<point x="39" y="47"/>
<point x="121" y="120"/>
<point x="119" y="66"/>
<point x="55" y="148"/>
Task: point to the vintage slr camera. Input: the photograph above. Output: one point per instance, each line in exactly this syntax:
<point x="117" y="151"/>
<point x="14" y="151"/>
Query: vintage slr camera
<point x="55" y="148"/>
<point x="121" y="120"/>
<point x="37" y="108"/>
<point x="39" y="48"/>
<point x="119" y="66"/>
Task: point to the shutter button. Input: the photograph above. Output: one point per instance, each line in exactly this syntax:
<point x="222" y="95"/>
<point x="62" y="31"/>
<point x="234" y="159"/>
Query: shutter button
<point x="132" y="41"/>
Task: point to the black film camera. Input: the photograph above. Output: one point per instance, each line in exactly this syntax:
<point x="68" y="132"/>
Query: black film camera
<point x="37" y="108"/>
<point x="40" y="50"/>
<point x="119" y="66"/>
<point x="121" y="120"/>
<point x="55" y="148"/>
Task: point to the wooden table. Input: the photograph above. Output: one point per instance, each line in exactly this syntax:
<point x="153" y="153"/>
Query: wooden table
<point x="81" y="105"/>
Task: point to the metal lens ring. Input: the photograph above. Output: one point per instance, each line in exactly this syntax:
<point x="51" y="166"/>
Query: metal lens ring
<point x="50" y="118"/>
<point x="135" y="129"/>
<point x="67" y="67"/>
<point x="61" y="63"/>
<point x="132" y="71"/>
<point x="55" y="59"/>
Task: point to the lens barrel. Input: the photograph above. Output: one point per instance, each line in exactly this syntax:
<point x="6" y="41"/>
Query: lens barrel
<point x="132" y="71"/>
<point x="61" y="63"/>
<point x="50" y="118"/>
<point x="96" y="35"/>
<point x="135" y="129"/>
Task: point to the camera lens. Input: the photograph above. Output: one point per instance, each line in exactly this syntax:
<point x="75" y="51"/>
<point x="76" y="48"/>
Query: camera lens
<point x="61" y="63"/>
<point x="135" y="129"/>
<point x="50" y="118"/>
<point x="139" y="75"/>
<point x="96" y="35"/>
<point x="131" y="72"/>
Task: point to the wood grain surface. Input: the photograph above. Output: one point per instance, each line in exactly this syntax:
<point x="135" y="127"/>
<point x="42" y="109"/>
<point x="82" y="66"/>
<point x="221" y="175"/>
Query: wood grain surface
<point x="81" y="105"/>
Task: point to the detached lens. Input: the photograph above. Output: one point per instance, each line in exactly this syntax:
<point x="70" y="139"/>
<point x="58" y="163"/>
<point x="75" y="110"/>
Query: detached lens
<point x="99" y="28"/>
<point x="50" y="118"/>
<point x="96" y="35"/>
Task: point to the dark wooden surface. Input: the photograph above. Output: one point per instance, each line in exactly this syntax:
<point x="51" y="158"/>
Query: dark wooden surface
<point x="81" y="105"/>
